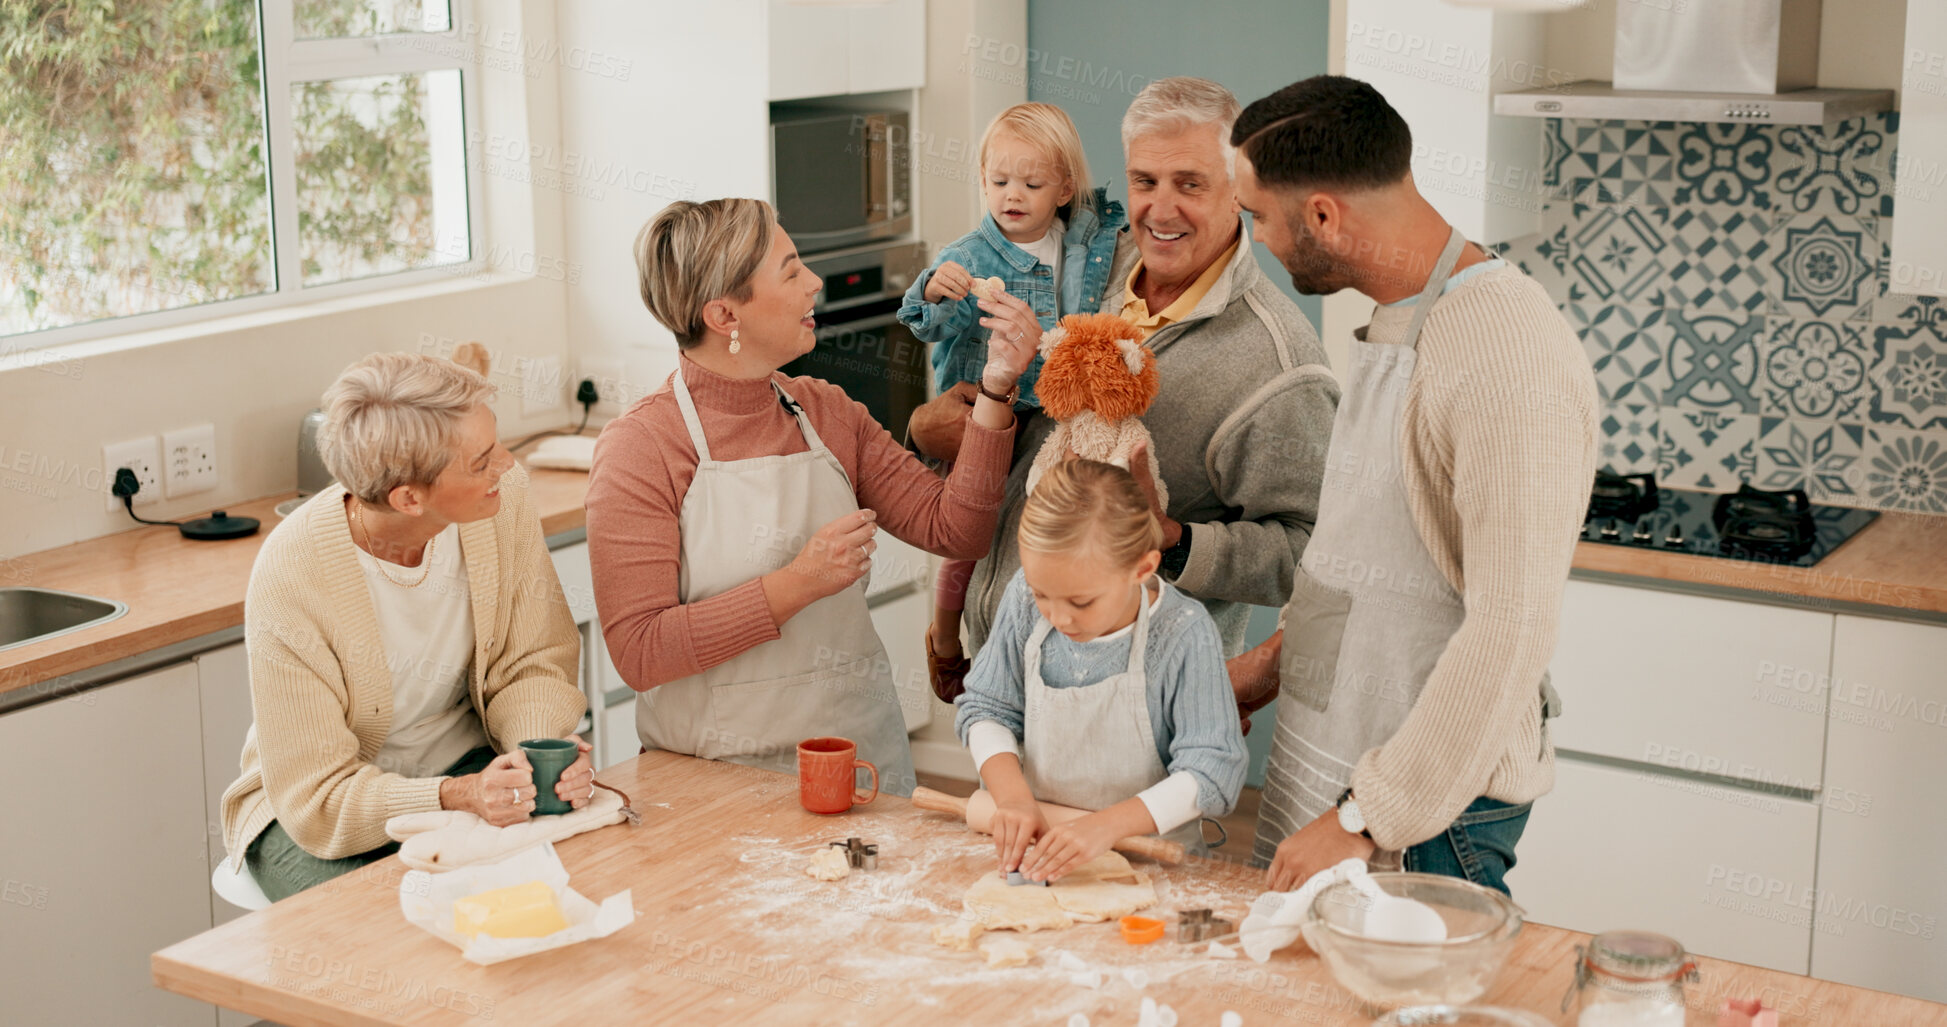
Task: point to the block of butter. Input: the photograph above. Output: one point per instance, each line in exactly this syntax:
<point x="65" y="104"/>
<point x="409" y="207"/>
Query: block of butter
<point x="520" y="911"/>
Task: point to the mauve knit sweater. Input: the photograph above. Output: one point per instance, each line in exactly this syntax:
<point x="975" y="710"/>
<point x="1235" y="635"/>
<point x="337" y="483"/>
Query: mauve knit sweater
<point x="644" y="463"/>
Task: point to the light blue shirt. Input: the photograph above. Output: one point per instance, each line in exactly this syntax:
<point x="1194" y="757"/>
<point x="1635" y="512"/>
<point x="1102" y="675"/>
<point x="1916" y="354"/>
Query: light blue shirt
<point x="1192" y="712"/>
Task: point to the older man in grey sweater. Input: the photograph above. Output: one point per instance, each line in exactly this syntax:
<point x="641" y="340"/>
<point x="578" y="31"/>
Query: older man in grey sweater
<point x="1245" y="412"/>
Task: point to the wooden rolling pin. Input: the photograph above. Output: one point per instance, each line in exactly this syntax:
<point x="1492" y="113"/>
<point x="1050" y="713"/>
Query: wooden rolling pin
<point x="978" y="809"/>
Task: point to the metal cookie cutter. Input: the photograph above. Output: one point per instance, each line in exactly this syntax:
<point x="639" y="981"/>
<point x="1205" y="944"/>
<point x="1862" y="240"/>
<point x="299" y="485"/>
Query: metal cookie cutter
<point x="1199" y="925"/>
<point x="860" y="855"/>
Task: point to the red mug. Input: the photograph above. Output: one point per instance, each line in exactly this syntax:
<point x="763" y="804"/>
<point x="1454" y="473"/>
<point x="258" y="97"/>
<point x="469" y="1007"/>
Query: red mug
<point x="828" y="775"/>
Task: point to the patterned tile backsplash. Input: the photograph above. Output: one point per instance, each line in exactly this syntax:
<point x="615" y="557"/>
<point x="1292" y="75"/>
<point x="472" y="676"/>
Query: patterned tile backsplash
<point x="1730" y="285"/>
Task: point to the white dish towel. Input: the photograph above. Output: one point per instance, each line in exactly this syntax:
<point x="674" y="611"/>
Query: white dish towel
<point x="445" y="839"/>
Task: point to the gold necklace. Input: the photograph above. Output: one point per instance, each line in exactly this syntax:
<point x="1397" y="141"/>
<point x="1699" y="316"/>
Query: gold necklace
<point x="425" y="557"/>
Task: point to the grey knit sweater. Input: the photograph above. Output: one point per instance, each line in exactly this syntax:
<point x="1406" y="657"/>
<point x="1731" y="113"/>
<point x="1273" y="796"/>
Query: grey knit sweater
<point x="1240" y="429"/>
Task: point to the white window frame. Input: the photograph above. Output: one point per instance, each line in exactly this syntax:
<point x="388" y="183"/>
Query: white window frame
<point x="287" y="60"/>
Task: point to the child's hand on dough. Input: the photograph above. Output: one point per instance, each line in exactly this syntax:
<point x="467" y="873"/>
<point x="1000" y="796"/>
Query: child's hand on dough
<point x="1016" y="826"/>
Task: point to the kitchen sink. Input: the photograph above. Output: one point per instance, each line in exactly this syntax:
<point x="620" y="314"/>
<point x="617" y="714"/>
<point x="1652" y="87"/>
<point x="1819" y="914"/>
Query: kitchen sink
<point x="30" y="615"/>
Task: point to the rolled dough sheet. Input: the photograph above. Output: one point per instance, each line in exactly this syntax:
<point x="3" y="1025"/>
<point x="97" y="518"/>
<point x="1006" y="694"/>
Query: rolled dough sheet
<point x="1103" y="888"/>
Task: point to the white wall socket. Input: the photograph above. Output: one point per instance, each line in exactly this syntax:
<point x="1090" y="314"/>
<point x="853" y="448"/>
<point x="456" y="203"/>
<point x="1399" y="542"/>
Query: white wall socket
<point x="138" y="455"/>
<point x="189" y="460"/>
<point x="616" y="391"/>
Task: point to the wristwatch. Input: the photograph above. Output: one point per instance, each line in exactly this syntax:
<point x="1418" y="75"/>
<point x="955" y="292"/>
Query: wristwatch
<point x="1350" y="819"/>
<point x="1177" y="557"/>
<point x="1005" y="399"/>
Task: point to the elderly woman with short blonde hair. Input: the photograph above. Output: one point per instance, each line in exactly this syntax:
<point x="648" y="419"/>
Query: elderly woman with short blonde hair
<point x="732" y="513"/>
<point x="406" y="632"/>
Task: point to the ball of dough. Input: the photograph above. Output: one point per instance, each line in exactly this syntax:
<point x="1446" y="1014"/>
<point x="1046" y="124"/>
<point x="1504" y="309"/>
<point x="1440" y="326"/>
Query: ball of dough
<point x="828" y="864"/>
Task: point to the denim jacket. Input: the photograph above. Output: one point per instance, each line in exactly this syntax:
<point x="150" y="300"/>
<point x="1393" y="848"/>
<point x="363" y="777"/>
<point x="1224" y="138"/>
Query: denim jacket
<point x="960" y="343"/>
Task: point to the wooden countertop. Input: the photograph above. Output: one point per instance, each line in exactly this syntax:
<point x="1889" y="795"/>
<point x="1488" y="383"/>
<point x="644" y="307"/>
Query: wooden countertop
<point x="729" y="929"/>
<point x="1899" y="561"/>
<point x="177" y="589"/>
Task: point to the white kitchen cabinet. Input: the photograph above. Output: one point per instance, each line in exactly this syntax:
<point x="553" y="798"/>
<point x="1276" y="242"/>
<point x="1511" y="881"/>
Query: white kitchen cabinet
<point x="1882" y="897"/>
<point x="616" y="729"/>
<point x="1708" y="686"/>
<point x="888" y="48"/>
<point x="1723" y="870"/>
<point x="611" y="704"/>
<point x="577" y="579"/>
<point x="223" y="688"/>
<point x="811" y="50"/>
<point x="822" y="49"/>
<point x="1919" y="243"/>
<point x="1439" y="64"/>
<point x="105" y="859"/>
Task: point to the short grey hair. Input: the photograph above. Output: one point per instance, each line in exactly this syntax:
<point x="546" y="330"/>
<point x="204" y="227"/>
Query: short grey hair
<point x="392" y="419"/>
<point x="1180" y="102"/>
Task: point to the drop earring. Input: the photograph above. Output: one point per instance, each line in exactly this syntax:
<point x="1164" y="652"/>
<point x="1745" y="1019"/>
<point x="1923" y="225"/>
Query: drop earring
<point x="734" y="344"/>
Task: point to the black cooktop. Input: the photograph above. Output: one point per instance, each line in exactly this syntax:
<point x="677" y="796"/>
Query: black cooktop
<point x="1749" y="524"/>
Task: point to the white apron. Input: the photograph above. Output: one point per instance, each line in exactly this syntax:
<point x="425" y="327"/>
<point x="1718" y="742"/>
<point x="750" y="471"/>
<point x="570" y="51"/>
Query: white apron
<point x="1093" y="746"/>
<point x="1370" y="612"/>
<point x="826" y="673"/>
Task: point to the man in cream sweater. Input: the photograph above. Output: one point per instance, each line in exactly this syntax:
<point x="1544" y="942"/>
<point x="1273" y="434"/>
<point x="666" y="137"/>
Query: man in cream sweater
<point x="1413" y="653"/>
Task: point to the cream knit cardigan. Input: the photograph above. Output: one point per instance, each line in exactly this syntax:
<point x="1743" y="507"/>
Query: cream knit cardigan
<point x="321" y="688"/>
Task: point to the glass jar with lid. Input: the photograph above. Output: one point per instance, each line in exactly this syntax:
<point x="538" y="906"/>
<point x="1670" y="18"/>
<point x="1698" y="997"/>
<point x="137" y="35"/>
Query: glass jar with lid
<point x="1629" y="979"/>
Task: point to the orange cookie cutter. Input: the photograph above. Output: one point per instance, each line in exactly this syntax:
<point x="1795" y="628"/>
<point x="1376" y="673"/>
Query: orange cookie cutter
<point x="1141" y="930"/>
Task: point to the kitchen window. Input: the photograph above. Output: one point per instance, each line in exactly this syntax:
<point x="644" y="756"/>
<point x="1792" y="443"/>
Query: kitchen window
<point x="168" y="161"/>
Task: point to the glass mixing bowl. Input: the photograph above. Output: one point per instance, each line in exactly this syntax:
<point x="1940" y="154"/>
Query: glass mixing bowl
<point x="1481" y="927"/>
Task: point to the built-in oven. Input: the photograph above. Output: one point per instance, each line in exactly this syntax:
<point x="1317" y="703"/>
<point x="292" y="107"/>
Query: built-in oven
<point x="862" y="348"/>
<point x="841" y="178"/>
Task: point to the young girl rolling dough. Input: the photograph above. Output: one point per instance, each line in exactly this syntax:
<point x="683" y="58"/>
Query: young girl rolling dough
<point x="1100" y="687"/>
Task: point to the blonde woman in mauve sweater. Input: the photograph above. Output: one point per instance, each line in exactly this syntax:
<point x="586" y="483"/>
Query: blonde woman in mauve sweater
<point x="732" y="512"/>
<point x="406" y="633"/>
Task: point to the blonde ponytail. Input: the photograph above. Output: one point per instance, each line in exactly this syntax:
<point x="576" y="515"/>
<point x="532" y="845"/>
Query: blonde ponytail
<point x="1079" y="503"/>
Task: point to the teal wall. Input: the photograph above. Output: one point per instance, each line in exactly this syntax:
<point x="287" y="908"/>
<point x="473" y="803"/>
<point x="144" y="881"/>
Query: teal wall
<point x="1092" y="56"/>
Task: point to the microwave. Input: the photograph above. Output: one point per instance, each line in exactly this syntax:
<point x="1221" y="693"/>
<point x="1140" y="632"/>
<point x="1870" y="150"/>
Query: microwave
<point x="841" y="178"/>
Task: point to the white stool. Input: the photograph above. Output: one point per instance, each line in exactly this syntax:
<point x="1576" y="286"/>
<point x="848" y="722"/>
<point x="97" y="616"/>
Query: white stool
<point x="237" y="887"/>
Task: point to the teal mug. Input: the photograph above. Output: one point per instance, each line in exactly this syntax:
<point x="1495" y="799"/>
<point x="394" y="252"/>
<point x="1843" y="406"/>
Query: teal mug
<point x="549" y="757"/>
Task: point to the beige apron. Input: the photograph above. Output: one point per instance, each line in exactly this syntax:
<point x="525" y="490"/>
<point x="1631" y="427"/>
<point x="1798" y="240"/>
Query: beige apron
<point x="1093" y="746"/>
<point x="1370" y="611"/>
<point x="827" y="672"/>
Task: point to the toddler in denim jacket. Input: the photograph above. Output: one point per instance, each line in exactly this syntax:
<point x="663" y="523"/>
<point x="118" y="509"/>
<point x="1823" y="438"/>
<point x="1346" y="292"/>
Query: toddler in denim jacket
<point x="1050" y="239"/>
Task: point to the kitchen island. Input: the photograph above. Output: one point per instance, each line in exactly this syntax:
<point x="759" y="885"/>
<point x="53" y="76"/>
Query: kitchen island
<point x="729" y="929"/>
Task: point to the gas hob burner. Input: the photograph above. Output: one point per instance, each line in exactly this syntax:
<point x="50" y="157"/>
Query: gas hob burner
<point x="1751" y="524"/>
<point x="1765" y="525"/>
<point x="1622" y="496"/>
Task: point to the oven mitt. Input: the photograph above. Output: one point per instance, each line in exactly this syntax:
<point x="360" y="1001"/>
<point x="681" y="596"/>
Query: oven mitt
<point x="440" y="840"/>
<point x="1277" y="916"/>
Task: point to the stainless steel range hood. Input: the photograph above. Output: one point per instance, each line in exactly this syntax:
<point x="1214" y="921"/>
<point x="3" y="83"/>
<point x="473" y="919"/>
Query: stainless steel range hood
<point x="1718" y="60"/>
<point x="1601" y="100"/>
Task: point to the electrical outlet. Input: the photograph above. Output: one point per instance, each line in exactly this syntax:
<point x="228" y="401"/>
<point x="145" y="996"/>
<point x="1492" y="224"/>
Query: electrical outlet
<point x="616" y="391"/>
<point x="138" y="455"/>
<point x="189" y="460"/>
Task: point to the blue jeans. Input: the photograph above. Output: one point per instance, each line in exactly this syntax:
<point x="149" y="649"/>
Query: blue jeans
<point x="1479" y="845"/>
